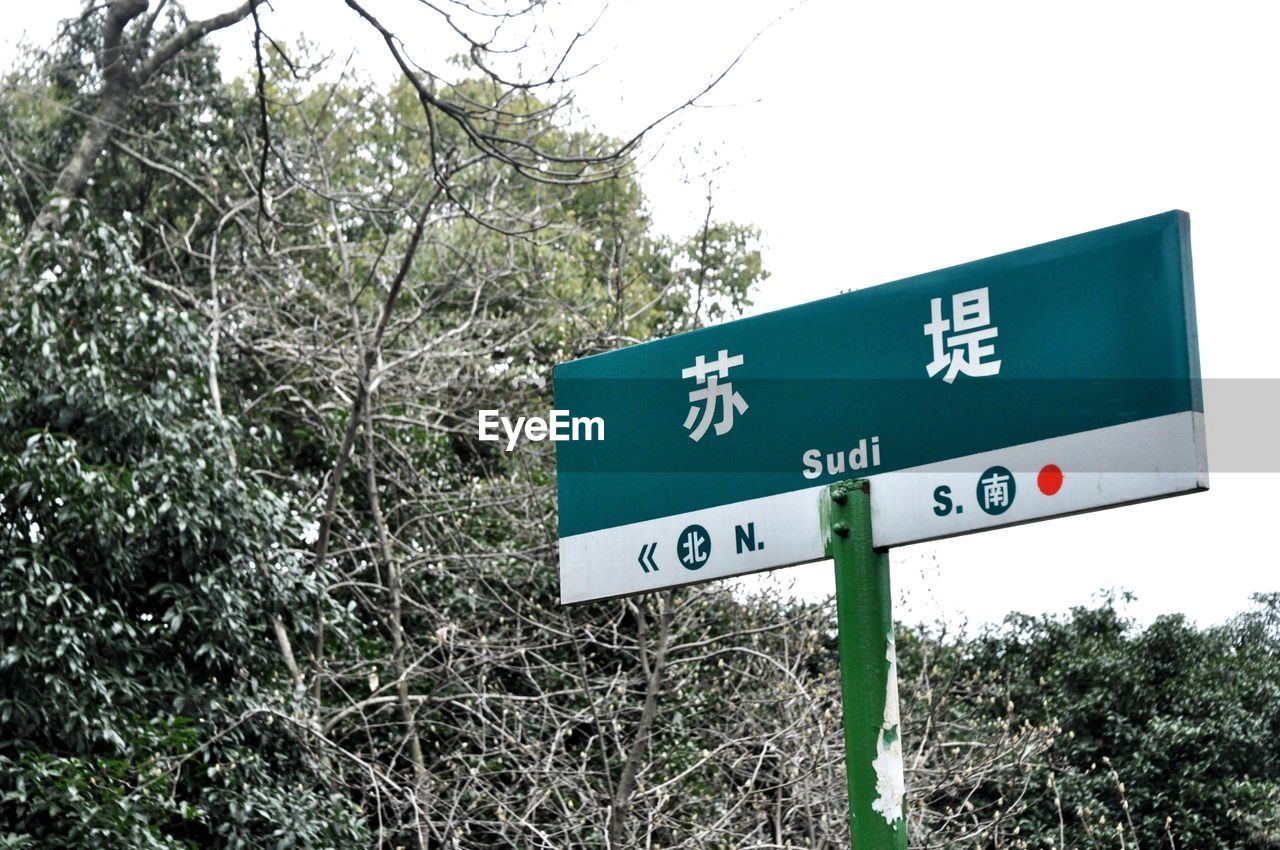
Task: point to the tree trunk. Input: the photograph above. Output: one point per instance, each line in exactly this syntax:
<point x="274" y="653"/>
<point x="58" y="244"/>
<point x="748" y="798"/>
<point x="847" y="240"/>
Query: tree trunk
<point x="124" y="71"/>
<point x="627" y="780"/>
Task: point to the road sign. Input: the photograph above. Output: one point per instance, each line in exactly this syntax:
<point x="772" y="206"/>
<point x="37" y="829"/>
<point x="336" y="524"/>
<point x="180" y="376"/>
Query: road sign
<point x="1047" y="381"/>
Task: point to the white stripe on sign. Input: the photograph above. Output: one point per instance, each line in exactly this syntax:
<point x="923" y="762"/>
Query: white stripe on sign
<point x="1109" y="466"/>
<point x="1063" y="475"/>
<point x="744" y="537"/>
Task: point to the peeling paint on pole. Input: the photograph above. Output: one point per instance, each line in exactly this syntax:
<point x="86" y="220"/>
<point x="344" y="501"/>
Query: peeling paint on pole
<point x="890" y="786"/>
<point x="868" y="671"/>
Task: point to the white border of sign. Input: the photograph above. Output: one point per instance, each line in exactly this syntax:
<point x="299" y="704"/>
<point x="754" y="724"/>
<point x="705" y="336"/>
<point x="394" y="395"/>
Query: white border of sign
<point x="1106" y="467"/>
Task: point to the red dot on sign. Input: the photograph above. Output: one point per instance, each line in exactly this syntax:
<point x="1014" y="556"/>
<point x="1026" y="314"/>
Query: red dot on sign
<point x="1050" y="479"/>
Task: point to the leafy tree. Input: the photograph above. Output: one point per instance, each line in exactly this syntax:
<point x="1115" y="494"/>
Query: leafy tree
<point x="1166" y="733"/>
<point x="142" y="569"/>
<point x="345" y="275"/>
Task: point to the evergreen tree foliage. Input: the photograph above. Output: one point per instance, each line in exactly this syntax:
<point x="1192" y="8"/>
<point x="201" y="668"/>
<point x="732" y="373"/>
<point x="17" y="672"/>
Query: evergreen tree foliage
<point x="141" y="566"/>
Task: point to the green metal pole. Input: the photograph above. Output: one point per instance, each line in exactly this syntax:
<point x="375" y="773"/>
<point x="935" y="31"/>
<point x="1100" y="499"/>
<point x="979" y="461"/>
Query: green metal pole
<point x="868" y="672"/>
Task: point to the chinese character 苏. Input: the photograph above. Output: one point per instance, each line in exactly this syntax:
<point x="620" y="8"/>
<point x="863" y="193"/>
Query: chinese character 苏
<point x="958" y="343"/>
<point x="713" y="394"/>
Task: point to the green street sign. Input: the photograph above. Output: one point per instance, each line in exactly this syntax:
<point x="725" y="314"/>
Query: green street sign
<point x="1047" y="381"/>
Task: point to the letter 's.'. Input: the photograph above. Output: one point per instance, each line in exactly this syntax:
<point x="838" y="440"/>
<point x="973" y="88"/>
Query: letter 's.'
<point x="488" y="425"/>
<point x="812" y="463"/>
<point x="589" y="425"/>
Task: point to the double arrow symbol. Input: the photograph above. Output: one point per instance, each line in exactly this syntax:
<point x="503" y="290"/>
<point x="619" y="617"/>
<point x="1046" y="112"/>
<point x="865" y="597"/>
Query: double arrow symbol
<point x="646" y="557"/>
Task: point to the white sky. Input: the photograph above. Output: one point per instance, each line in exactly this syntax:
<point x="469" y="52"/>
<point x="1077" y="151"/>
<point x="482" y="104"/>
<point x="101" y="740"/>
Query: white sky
<point x="871" y="141"/>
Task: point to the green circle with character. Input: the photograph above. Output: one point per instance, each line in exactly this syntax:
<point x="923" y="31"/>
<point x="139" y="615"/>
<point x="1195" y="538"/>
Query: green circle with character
<point x="693" y="549"/>
<point x="996" y="490"/>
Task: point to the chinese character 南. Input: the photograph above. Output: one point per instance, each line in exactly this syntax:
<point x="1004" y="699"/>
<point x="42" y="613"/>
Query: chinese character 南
<point x="995" y="491"/>
<point x="960" y="344"/>
<point x="712" y="394"/>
